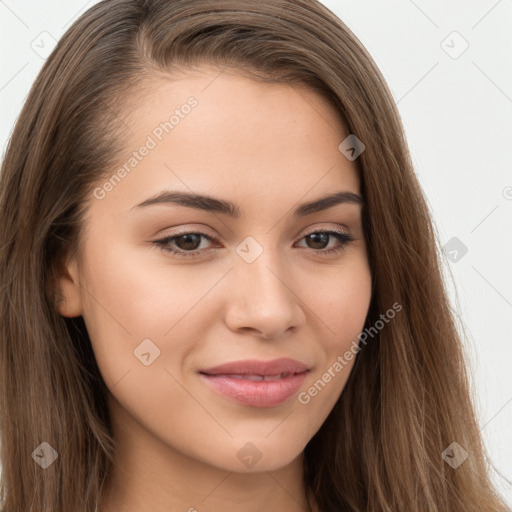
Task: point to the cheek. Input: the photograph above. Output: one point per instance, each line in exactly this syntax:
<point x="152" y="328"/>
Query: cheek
<point x="339" y="309"/>
<point x="143" y="289"/>
<point x="338" y="299"/>
<point x="132" y="296"/>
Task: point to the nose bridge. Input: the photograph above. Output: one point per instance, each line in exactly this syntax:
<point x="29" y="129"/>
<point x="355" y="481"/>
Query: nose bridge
<point x="263" y="294"/>
<point x="261" y="261"/>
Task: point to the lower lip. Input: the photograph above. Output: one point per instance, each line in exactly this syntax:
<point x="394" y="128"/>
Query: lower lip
<point x="256" y="393"/>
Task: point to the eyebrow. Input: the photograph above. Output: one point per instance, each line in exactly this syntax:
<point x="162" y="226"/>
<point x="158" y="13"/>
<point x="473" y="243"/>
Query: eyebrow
<point x="212" y="204"/>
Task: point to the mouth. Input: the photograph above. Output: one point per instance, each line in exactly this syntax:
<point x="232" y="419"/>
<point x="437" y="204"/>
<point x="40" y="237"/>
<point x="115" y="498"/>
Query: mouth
<point x="257" y="383"/>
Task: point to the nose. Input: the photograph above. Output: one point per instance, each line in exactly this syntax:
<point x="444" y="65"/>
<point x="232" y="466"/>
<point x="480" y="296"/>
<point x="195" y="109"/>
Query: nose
<point x="263" y="300"/>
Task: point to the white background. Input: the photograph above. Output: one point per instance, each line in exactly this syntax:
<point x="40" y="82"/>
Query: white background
<point x="457" y="113"/>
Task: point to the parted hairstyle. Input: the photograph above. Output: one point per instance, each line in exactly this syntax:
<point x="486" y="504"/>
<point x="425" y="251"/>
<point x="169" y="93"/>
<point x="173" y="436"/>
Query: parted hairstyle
<point x="408" y="396"/>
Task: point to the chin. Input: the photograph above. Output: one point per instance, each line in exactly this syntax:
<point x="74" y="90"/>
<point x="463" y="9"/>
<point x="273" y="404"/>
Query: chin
<point x="257" y="456"/>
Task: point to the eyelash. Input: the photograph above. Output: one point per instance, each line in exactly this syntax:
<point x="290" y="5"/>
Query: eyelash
<point x="342" y="237"/>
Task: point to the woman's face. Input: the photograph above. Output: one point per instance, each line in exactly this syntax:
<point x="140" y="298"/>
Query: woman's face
<point x="265" y="292"/>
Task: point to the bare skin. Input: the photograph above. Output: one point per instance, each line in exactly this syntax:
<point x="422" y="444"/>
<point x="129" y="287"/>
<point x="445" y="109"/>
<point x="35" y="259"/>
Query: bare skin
<point x="267" y="148"/>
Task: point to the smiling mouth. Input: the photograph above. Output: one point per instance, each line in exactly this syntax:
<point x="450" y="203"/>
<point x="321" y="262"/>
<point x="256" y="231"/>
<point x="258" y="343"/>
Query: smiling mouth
<point x="257" y="383"/>
<point x="256" y="378"/>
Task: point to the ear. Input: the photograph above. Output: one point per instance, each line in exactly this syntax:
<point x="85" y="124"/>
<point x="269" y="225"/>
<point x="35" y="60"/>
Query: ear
<point x="66" y="282"/>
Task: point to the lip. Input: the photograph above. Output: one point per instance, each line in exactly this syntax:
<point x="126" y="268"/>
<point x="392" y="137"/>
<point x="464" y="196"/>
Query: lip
<point x="257" y="383"/>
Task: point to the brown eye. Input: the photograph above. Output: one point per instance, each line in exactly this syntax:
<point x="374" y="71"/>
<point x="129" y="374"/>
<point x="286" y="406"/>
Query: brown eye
<point x="186" y="244"/>
<point x="188" y="241"/>
<point x="319" y="240"/>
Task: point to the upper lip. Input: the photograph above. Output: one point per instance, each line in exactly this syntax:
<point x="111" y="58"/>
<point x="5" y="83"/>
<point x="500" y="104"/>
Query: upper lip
<point x="257" y="367"/>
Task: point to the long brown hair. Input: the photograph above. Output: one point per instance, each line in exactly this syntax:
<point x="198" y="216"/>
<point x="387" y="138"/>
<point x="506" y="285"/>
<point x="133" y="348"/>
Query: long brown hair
<point x="408" y="396"/>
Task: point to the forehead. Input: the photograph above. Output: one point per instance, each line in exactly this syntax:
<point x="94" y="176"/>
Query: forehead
<point x="219" y="132"/>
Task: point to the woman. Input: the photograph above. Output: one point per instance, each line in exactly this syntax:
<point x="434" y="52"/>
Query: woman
<point x="301" y="353"/>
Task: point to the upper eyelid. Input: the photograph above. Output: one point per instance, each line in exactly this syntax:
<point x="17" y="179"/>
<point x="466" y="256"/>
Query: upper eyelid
<point x="201" y="232"/>
<point x="208" y="232"/>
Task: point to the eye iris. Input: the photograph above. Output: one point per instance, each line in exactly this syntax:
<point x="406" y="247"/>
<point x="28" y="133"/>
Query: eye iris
<point x="188" y="238"/>
<point x="322" y="238"/>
